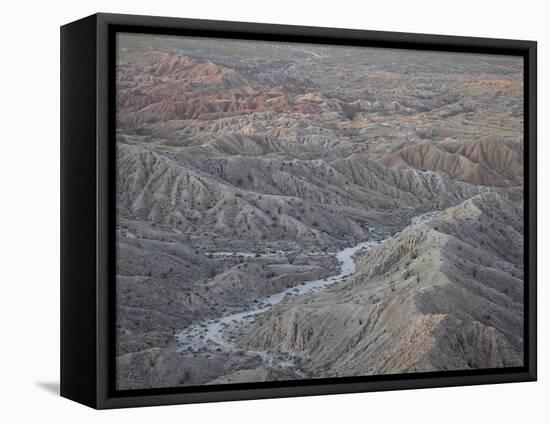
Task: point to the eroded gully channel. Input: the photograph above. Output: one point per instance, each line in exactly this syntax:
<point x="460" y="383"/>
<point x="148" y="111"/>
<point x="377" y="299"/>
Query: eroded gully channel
<point x="211" y="334"/>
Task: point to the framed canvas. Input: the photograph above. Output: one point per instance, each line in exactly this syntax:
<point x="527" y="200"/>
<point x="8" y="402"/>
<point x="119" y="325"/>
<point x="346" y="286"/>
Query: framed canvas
<point x="255" y="211"/>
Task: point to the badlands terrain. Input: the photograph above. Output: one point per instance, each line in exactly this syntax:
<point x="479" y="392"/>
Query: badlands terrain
<point x="290" y="211"/>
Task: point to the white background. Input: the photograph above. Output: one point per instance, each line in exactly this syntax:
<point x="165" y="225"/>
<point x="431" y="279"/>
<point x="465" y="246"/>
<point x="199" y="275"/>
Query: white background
<point x="29" y="178"/>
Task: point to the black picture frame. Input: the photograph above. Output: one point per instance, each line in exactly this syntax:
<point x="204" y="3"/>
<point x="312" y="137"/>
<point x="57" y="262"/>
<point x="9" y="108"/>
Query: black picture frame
<point x="87" y="209"/>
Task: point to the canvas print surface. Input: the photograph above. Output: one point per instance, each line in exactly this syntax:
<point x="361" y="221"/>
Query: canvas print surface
<point x="293" y="211"/>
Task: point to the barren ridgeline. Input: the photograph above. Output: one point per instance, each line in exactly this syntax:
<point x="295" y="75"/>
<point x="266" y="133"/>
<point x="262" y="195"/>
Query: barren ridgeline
<point x="292" y="211"/>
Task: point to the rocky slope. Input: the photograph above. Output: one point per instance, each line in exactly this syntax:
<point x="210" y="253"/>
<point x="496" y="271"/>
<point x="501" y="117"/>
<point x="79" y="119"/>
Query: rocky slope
<point x="301" y="201"/>
<point x="442" y="295"/>
<point x="481" y="162"/>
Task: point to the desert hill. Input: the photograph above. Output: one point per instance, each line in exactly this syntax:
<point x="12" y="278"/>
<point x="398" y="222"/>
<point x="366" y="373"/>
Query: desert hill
<point x="480" y="162"/>
<point x="446" y="294"/>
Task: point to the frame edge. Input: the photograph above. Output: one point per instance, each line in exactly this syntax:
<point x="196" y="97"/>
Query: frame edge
<point x="77" y="306"/>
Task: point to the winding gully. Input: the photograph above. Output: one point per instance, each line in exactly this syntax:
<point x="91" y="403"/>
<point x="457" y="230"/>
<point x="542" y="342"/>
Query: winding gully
<point x="210" y="334"/>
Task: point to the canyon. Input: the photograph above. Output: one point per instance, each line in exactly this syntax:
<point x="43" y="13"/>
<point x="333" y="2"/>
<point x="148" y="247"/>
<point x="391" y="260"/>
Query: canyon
<point x="290" y="211"/>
